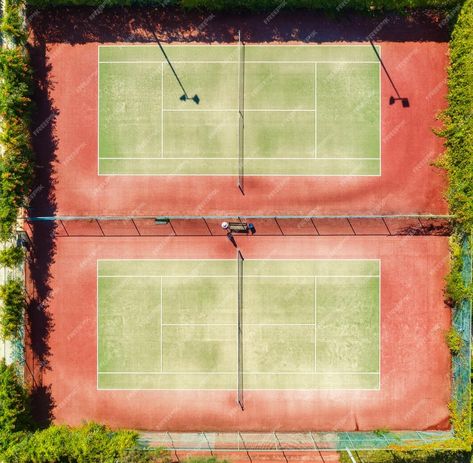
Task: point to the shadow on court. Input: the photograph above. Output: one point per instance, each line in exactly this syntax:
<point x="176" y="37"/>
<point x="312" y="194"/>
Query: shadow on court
<point x="83" y="24"/>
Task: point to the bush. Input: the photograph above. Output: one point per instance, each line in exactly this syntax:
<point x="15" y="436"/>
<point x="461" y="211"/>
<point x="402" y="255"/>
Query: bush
<point x="458" y="121"/>
<point x="14" y="404"/>
<point x="455" y="286"/>
<point x="12" y="256"/>
<point x="16" y="165"/>
<point x="454" y="341"/>
<point x="12" y="22"/>
<point x="88" y="444"/>
<point x="11" y="319"/>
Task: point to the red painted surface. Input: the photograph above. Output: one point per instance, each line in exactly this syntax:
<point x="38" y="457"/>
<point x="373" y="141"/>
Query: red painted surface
<point x="408" y="184"/>
<point x="415" y="362"/>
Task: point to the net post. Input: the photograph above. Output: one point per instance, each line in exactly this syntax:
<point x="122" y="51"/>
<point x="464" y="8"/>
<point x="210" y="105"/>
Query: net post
<point x="240" y="400"/>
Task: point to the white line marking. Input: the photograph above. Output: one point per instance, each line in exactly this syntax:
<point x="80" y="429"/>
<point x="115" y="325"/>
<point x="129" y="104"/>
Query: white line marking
<point x="230" y="260"/>
<point x="269" y="159"/>
<point x="249" y="45"/>
<point x="97" y="324"/>
<point x="232" y="373"/>
<point x="236" y="324"/>
<point x="379" y="323"/>
<point x="98" y="118"/>
<point x="162" y="110"/>
<point x="224" y="110"/>
<point x="315" y="324"/>
<point x="193" y="174"/>
<point x="315" y="110"/>
<point x="236" y="62"/>
<point x="233" y="276"/>
<point x="161" y="328"/>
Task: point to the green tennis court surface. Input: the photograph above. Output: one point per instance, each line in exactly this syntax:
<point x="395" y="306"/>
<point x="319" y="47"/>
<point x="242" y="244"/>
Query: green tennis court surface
<point x="304" y="110"/>
<point x="173" y="324"/>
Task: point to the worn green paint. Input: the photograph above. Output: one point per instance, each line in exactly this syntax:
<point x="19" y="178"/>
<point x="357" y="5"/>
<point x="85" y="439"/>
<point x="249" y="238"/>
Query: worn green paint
<point x="172" y="324"/>
<point x="308" y="110"/>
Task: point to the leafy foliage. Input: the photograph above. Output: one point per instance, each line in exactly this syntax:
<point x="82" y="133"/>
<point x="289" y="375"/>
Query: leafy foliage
<point x="14" y="404"/>
<point x="13" y="298"/>
<point x="12" y="256"/>
<point x="413" y="456"/>
<point x="16" y="166"/>
<point x="454" y="341"/>
<point x="458" y="162"/>
<point x="12" y="22"/>
<point x="458" y="120"/>
<point x="87" y="444"/>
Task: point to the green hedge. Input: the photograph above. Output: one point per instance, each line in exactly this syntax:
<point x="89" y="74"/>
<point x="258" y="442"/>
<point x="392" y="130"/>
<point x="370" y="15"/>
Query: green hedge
<point x="90" y="443"/>
<point x="458" y="163"/>
<point x="458" y="121"/>
<point x="87" y="444"/>
<point x="12" y="256"/>
<point x="12" y="308"/>
<point x="14" y="405"/>
<point x="16" y="163"/>
<point x="263" y="5"/>
<point x="412" y="457"/>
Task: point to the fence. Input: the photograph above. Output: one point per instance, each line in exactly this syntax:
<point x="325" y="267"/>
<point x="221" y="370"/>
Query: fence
<point x="461" y="363"/>
<point x="216" y="442"/>
<point x="387" y="225"/>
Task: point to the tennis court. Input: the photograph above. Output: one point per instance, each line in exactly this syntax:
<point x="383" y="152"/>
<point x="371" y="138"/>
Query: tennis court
<point x="238" y="324"/>
<point x="260" y="110"/>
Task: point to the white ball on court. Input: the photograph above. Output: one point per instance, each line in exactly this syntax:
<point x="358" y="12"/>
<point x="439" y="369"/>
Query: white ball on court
<point x="225" y="225"/>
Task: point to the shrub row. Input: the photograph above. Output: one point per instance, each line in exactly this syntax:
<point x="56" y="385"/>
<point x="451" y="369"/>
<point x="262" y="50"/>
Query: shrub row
<point x="262" y="5"/>
<point x="12" y="256"/>
<point x="16" y="162"/>
<point x="21" y="443"/>
<point x="458" y="163"/>
<point x="458" y="121"/>
<point x="12" y="296"/>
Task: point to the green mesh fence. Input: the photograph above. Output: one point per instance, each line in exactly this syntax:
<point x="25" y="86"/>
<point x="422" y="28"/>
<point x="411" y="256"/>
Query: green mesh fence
<point x="461" y="363"/>
<point x="289" y="442"/>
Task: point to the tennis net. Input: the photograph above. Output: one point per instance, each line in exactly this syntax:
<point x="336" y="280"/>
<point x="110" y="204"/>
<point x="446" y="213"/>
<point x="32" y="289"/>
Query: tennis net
<point x="241" y="112"/>
<point x="240" y="331"/>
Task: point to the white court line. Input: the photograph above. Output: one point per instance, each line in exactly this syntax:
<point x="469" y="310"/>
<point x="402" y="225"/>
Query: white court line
<point x="248" y="45"/>
<point x="269" y="159"/>
<point x="315" y="110"/>
<point x="198" y="110"/>
<point x="226" y="174"/>
<point x="232" y="373"/>
<point x="161" y="327"/>
<point x="236" y="62"/>
<point x="236" y="324"/>
<point x="162" y="110"/>
<point x="315" y="324"/>
<point x="233" y="276"/>
<point x="304" y="259"/>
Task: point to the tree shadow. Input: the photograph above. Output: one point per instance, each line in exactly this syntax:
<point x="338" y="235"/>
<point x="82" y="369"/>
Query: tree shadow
<point x="427" y="229"/>
<point x="76" y="25"/>
<point x="39" y="320"/>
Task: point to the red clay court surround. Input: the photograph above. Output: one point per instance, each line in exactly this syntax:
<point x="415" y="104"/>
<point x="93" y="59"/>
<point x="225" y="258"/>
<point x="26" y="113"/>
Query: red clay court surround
<point x="415" y="362"/>
<point x="408" y="184"/>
